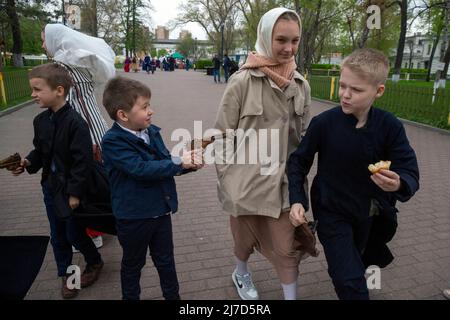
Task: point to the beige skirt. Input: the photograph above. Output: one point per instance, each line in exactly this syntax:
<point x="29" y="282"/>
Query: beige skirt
<point x="273" y="238"/>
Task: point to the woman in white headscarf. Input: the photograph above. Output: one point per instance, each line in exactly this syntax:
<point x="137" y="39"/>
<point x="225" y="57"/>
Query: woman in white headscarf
<point x="90" y="62"/>
<point x="267" y="95"/>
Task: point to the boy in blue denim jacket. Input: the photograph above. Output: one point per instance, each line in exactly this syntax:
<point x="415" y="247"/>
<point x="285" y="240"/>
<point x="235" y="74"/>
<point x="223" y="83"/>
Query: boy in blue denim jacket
<point x="141" y="174"/>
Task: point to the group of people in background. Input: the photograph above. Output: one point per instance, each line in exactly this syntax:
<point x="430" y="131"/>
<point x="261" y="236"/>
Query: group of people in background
<point x="149" y="64"/>
<point x="169" y="63"/>
<point x="229" y="67"/>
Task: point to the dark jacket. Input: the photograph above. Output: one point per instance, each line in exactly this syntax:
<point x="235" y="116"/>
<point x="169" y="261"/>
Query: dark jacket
<point x="342" y="184"/>
<point x="216" y="63"/>
<point x="72" y="147"/>
<point x="140" y="175"/>
<point x="226" y="62"/>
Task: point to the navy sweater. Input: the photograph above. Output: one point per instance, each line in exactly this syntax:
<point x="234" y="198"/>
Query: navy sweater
<point x="342" y="184"/>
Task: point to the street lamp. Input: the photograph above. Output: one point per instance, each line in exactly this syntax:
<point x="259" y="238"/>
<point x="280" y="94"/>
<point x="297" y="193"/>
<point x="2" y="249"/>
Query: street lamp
<point x="195" y="49"/>
<point x="63" y="12"/>
<point x="221" y="46"/>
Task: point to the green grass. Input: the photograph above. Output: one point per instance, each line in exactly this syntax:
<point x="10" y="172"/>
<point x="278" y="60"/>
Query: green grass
<point x="417" y="83"/>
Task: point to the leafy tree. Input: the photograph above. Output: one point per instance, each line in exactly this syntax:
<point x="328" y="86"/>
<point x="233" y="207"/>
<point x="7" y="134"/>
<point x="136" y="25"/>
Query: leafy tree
<point x="186" y="46"/>
<point x="213" y="16"/>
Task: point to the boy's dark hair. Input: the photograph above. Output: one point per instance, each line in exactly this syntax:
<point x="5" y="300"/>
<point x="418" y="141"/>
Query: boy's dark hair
<point x="54" y="75"/>
<point x="121" y="94"/>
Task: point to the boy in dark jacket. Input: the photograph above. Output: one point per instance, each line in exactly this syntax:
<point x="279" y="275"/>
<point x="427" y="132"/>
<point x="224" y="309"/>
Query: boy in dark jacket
<point x="62" y="144"/>
<point x="355" y="208"/>
<point x="141" y="174"/>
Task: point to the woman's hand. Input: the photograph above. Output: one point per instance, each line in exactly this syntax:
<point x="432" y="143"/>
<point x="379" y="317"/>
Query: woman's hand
<point x="387" y="180"/>
<point x="297" y="214"/>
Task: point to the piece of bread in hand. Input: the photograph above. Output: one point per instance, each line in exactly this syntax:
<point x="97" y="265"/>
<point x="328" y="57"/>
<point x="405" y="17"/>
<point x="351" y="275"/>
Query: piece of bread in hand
<point x="374" y="168"/>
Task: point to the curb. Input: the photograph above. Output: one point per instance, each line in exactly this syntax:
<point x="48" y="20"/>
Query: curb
<point x="16" y="108"/>
<point x="409" y="122"/>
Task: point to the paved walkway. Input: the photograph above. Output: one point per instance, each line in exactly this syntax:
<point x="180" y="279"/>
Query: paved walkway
<point x="203" y="243"/>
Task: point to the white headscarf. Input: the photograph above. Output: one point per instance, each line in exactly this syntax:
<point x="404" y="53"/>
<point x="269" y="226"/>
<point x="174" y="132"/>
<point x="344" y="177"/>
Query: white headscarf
<point x="263" y="44"/>
<point x="80" y="50"/>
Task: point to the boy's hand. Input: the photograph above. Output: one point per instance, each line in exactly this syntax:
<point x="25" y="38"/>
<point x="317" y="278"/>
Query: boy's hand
<point x="387" y="180"/>
<point x="20" y="169"/>
<point x="192" y="159"/>
<point x="297" y="214"/>
<point x="74" y="202"/>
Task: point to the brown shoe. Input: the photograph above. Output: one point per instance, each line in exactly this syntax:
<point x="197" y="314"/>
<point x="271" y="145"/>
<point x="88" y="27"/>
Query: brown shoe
<point x="90" y="274"/>
<point x="67" y="293"/>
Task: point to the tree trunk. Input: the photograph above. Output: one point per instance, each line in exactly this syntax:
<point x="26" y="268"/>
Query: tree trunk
<point x="446" y="58"/>
<point x="94" y="19"/>
<point x="301" y="46"/>
<point x="15" y="29"/>
<point x="433" y="51"/>
<point x="311" y="38"/>
<point x="365" y="35"/>
<point x="350" y="29"/>
<point x="447" y="62"/>
<point x="411" y="53"/>
<point x="401" y="41"/>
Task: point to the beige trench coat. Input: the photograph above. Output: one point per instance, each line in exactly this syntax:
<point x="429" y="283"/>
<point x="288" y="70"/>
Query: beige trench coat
<point x="253" y="101"/>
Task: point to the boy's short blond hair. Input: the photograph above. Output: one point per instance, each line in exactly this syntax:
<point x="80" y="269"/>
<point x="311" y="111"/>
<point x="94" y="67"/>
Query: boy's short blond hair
<point x="121" y="94"/>
<point x="371" y="64"/>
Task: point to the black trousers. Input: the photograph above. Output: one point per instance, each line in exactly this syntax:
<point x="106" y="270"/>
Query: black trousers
<point x="344" y="241"/>
<point x="136" y="236"/>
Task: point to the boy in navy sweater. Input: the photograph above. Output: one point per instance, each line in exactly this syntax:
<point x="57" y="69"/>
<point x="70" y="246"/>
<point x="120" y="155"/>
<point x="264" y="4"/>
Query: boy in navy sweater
<point x="143" y="192"/>
<point x="355" y="209"/>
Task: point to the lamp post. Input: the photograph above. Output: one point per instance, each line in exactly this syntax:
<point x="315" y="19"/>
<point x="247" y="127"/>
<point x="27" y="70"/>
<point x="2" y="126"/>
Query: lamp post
<point x="63" y="12"/>
<point x="221" y="46"/>
<point x="195" y="49"/>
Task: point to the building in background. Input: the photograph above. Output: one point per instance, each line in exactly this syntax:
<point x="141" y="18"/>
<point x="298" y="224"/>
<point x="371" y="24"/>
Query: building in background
<point x="161" y="33"/>
<point x="417" y="52"/>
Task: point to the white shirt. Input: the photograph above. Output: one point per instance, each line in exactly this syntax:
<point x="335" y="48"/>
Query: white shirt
<point x="142" y="134"/>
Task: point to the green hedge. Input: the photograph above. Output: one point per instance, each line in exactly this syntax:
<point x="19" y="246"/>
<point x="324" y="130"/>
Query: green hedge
<point x="325" y="66"/>
<point x="202" y="64"/>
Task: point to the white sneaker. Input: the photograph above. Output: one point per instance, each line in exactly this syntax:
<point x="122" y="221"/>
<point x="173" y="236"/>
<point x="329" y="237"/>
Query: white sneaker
<point x="244" y="285"/>
<point x="98" y="241"/>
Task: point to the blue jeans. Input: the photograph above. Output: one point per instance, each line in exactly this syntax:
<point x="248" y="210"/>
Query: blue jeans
<point x="226" y="71"/>
<point x="216" y="73"/>
<point x="64" y="235"/>
<point x="136" y="236"/>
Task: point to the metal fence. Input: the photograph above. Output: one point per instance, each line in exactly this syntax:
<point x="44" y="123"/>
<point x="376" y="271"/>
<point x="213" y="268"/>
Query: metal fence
<point x="14" y="87"/>
<point x="425" y="105"/>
